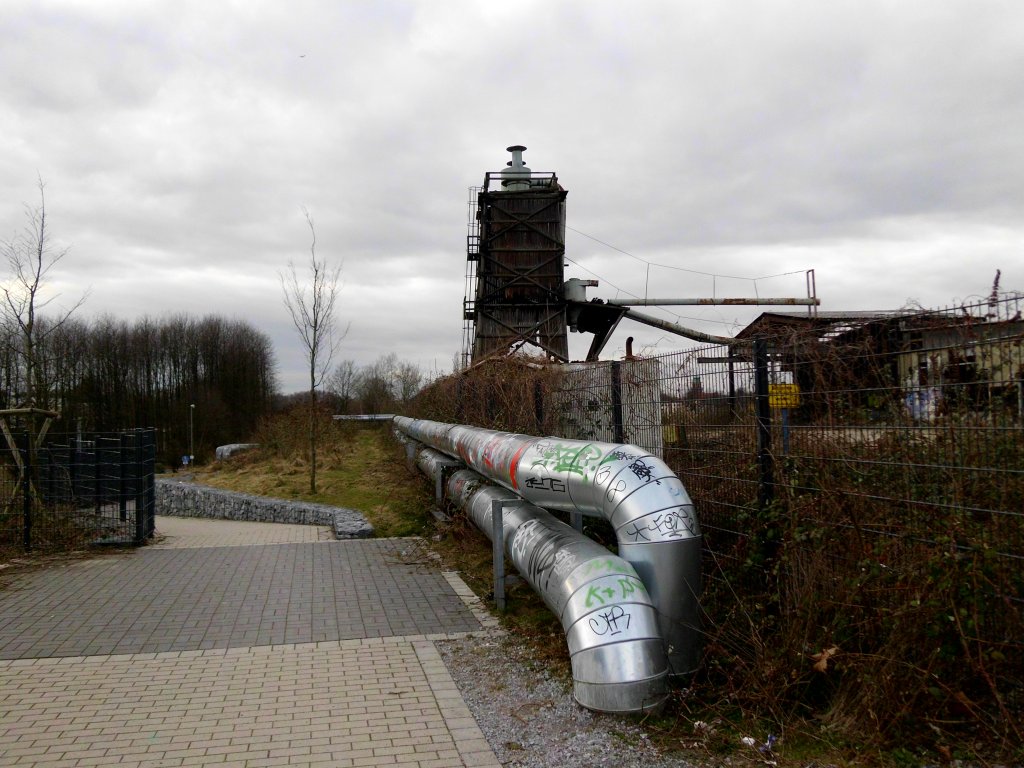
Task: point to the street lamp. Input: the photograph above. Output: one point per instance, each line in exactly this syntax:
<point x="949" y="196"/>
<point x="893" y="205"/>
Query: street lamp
<point x="191" y="414"/>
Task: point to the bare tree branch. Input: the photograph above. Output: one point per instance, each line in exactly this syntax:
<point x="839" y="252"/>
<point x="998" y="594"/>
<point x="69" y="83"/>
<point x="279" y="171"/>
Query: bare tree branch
<point x="30" y="259"/>
<point x="311" y="300"/>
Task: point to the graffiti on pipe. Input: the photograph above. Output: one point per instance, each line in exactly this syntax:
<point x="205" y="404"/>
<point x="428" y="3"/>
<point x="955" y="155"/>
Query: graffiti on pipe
<point x="546" y="484"/>
<point x="618" y="455"/>
<point x="613" y="490"/>
<point x="612" y="622"/>
<point x="538" y="552"/>
<point x="677" y="524"/>
<point x="643" y="472"/>
<point x="608" y="565"/>
<point x="487" y="455"/>
<point x="597" y="595"/>
<point x="561" y="458"/>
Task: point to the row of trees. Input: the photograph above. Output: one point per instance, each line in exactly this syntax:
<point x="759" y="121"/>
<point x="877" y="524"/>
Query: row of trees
<point x="109" y="374"/>
<point x="112" y="374"/>
<point x="384" y="386"/>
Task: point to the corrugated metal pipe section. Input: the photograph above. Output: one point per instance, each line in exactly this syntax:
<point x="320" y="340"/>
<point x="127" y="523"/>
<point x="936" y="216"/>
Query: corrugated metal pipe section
<point x="593" y="592"/>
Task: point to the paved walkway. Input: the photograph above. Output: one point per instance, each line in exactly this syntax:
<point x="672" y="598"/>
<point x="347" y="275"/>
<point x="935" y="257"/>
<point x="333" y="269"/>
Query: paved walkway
<point x="236" y="644"/>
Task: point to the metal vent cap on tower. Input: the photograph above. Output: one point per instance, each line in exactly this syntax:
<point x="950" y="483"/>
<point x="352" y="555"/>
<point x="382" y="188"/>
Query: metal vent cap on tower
<point x="516" y="177"/>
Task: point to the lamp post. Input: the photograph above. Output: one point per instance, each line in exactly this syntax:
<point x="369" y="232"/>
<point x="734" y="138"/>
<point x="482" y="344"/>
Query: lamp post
<point x="191" y="414"/>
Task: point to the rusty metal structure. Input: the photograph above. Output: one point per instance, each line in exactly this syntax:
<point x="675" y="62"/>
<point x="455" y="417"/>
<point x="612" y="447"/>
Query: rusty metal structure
<point x="515" y="265"/>
<point x="516" y="293"/>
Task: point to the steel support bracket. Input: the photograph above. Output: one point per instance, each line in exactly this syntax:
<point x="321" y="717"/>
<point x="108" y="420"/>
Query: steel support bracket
<point x="498" y="548"/>
<point x="440" y="483"/>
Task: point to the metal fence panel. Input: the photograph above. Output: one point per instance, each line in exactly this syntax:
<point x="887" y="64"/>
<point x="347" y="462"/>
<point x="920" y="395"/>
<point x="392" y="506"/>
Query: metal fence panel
<point x="870" y="437"/>
<point x="77" y="490"/>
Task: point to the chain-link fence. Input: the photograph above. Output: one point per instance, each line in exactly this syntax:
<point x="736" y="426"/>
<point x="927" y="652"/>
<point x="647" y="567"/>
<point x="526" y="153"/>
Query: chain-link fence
<point x="77" y="490"/>
<point x="859" y="479"/>
<point x="906" y="426"/>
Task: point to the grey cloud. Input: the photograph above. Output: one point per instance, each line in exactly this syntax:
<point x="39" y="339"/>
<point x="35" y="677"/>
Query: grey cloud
<point x="877" y="142"/>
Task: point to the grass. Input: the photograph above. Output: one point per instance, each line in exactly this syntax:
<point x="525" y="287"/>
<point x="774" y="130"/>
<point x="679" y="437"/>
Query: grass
<point x="361" y="468"/>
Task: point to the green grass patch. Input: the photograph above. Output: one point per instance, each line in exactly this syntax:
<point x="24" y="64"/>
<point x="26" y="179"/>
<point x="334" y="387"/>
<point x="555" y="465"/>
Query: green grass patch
<point x="361" y="468"/>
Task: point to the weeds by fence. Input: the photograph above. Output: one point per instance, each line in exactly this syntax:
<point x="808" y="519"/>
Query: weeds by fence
<point x="78" y="490"/>
<point x="860" y="484"/>
<point x="861" y="487"/>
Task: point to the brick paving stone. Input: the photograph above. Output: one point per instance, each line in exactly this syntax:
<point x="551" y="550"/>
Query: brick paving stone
<point x="251" y="652"/>
<point x="160" y="600"/>
<point x="341" y="677"/>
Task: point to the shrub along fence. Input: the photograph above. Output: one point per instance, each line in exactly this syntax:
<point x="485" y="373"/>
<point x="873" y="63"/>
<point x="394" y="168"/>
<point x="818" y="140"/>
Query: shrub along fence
<point x="77" y="490"/>
<point x="860" y="485"/>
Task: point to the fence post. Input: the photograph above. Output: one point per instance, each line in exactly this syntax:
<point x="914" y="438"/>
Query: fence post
<point x="765" y="489"/>
<point x="26" y="497"/>
<point x="138" y="473"/>
<point x="122" y="476"/>
<point x="618" y="432"/>
<point x="74" y="446"/>
<point x="732" y="384"/>
<point x="149" y="480"/>
<point x="97" y="475"/>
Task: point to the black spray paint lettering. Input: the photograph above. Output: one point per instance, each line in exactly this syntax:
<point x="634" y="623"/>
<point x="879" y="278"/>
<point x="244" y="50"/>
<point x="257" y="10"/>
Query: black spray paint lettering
<point x="546" y="484"/>
<point x="538" y="558"/>
<point x="673" y="525"/>
<point x="643" y="472"/>
<point x="612" y="622"/>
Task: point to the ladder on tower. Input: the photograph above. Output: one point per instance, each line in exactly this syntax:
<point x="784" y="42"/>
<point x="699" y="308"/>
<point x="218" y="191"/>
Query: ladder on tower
<point x="472" y="257"/>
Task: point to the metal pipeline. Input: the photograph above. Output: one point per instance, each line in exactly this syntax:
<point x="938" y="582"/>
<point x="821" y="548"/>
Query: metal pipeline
<point x="611" y="627"/>
<point x="653" y="517"/>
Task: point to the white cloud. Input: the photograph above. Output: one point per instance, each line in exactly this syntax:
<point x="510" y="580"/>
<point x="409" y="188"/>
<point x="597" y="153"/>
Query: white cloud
<point x="878" y="143"/>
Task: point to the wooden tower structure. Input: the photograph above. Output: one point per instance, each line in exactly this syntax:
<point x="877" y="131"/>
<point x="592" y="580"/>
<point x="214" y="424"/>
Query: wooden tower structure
<point x="515" y="256"/>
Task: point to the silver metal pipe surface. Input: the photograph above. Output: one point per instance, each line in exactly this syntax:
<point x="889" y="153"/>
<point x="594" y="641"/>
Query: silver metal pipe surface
<point x="654" y="519"/>
<point x="611" y="626"/>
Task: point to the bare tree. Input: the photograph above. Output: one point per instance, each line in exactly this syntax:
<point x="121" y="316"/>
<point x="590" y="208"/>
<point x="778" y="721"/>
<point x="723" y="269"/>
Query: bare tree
<point x="408" y="380"/>
<point x="375" y="384"/>
<point x="342" y="383"/>
<point x="30" y="257"/>
<point x="310" y="300"/>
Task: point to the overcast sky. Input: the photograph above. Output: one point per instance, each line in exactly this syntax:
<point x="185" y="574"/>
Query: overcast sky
<point x="880" y="144"/>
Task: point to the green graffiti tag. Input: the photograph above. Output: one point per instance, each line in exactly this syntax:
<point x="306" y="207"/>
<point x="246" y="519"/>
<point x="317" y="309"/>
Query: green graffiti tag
<point x="562" y="458"/>
<point x="600" y="594"/>
<point x="629" y="586"/>
<point x="597" y="595"/>
<point x="609" y="565"/>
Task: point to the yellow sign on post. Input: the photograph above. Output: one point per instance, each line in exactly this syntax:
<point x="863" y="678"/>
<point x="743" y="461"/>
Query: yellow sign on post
<point x="784" y="395"/>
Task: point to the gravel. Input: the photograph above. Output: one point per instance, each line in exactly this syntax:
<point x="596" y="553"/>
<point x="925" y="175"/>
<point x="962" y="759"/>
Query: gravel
<point x="530" y="718"/>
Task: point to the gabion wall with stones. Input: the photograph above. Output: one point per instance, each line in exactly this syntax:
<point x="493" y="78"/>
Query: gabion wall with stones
<point x="178" y="499"/>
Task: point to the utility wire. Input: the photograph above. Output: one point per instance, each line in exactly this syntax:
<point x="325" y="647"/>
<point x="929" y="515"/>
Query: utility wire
<point x="714" y="276"/>
<point x="630" y="293"/>
<point x="680" y="269"/>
